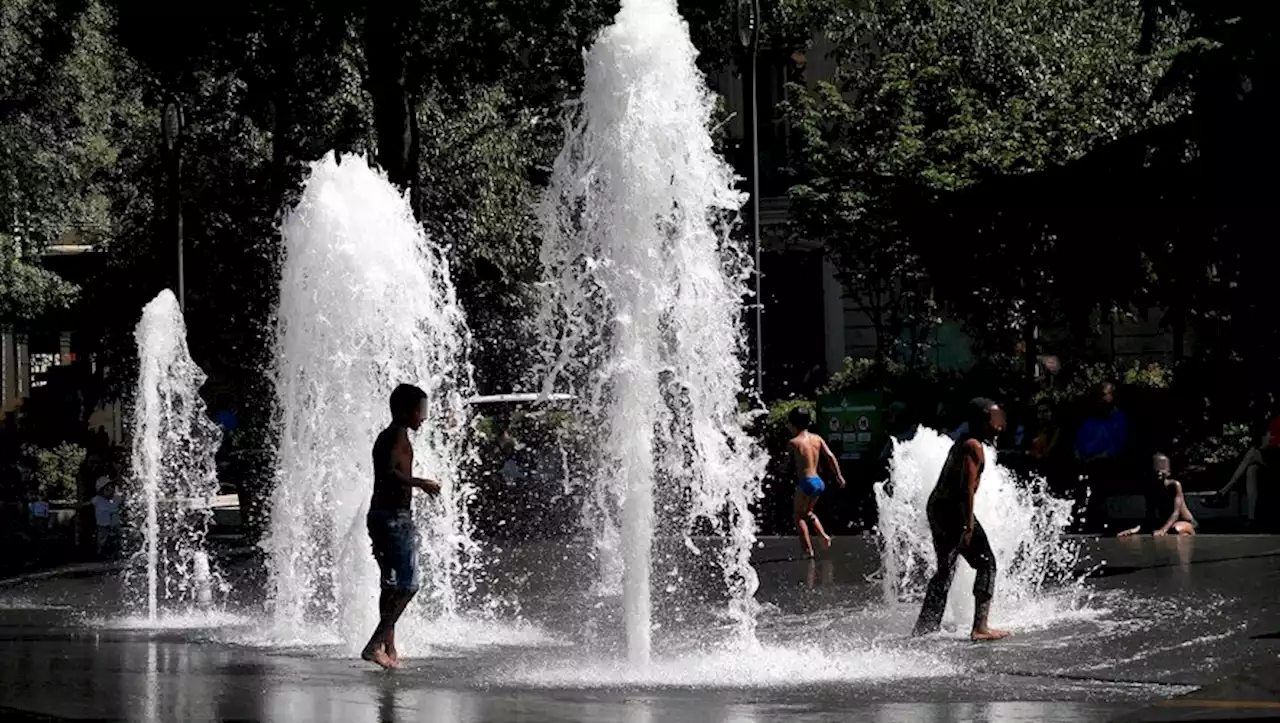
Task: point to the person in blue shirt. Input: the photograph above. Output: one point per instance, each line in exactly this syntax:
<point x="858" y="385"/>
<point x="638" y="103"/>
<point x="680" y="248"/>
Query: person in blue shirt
<point x="1105" y="432"/>
<point x="1100" y="443"/>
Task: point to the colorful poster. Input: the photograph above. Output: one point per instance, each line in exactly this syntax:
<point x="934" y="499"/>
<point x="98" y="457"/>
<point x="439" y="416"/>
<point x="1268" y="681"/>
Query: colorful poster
<point x="852" y="424"/>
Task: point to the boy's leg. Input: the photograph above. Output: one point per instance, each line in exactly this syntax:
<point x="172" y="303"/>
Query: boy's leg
<point x="375" y="650"/>
<point x="406" y="560"/>
<point x="980" y="557"/>
<point x="935" y="596"/>
<point x="398" y="604"/>
<point x="396" y="551"/>
<point x="817" y="525"/>
<point x="802" y="507"/>
<point x="381" y="646"/>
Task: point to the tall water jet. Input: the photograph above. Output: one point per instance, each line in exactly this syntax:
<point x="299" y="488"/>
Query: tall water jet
<point x="174" y="475"/>
<point x="366" y="303"/>
<point x="642" y="309"/>
<point x="1024" y="524"/>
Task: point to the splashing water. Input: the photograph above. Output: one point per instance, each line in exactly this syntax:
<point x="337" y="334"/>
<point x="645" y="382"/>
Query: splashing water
<point x="366" y="303"/>
<point x="174" y="474"/>
<point x="1024" y="525"/>
<point x="642" y="311"/>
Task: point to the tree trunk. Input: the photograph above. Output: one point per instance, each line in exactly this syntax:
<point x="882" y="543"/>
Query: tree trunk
<point x="394" y="119"/>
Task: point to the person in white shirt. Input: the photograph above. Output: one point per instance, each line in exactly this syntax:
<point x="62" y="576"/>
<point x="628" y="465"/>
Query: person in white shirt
<point x="106" y="512"/>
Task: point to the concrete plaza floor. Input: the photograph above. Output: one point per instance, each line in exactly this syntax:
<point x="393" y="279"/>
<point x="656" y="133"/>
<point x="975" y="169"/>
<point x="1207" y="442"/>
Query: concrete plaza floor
<point x="1166" y="629"/>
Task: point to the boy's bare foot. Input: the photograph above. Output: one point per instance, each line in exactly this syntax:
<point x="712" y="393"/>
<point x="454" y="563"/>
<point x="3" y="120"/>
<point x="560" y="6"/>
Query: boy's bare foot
<point x="988" y="634"/>
<point x="379" y="657"/>
<point x="826" y="542"/>
<point x="808" y="555"/>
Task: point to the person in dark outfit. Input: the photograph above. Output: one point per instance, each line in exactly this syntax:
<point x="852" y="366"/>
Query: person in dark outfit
<point x="390" y="520"/>
<point x="956" y="532"/>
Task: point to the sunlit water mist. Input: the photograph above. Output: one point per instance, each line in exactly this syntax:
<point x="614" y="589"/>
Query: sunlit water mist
<point x="1024" y="524"/>
<point x="366" y="303"/>
<point x="174" y="477"/>
<point x="643" y="304"/>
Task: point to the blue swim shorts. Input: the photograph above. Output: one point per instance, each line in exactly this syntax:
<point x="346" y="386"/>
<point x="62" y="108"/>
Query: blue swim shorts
<point x="395" y="547"/>
<point x="811" y="486"/>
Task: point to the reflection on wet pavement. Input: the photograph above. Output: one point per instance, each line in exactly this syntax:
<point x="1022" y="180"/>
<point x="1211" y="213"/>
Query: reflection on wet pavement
<point x="1183" y="613"/>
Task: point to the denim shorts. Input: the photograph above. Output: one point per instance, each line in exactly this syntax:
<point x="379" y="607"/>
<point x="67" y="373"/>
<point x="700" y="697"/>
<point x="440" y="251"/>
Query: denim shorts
<point x="395" y="547"/>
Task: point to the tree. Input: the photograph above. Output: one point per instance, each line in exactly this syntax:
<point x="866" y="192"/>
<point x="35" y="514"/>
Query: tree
<point x="932" y="97"/>
<point x="65" y="114"/>
<point x="457" y="101"/>
<point x="1229" y="63"/>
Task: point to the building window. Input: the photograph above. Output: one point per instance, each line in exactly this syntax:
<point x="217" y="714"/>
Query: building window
<point x="41" y="363"/>
<point x="775" y="70"/>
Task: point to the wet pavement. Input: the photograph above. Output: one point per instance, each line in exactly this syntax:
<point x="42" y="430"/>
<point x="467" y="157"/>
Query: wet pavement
<point x="1167" y="629"/>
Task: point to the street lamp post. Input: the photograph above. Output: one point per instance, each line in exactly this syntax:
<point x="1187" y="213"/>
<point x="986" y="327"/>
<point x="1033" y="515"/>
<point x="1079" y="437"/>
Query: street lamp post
<point x="749" y="35"/>
<point x="172" y="122"/>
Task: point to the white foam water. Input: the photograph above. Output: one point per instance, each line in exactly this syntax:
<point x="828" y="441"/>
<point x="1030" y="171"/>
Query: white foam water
<point x="366" y="303"/>
<point x="191" y="621"/>
<point x="643" y="300"/>
<point x="770" y="666"/>
<point x="174" y="476"/>
<point x="1024" y="524"/>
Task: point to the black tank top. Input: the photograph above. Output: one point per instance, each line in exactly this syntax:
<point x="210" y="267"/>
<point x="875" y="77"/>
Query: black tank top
<point x="389" y="493"/>
<point x="952" y="483"/>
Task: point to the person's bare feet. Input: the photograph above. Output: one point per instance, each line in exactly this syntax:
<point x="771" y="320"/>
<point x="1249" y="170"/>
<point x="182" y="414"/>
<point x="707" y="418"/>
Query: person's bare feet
<point x="826" y="542"/>
<point x="379" y="657"/>
<point x="988" y="634"/>
<point x="808" y="555"/>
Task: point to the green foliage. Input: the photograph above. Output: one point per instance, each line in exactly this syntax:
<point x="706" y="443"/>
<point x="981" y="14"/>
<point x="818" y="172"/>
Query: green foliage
<point x="919" y="386"/>
<point x="932" y="96"/>
<point x="770" y="429"/>
<point x="865" y="374"/>
<point x="55" y="471"/>
<point x="1225" y="448"/>
<point x="28" y="291"/>
<point x="68" y="115"/>
<point x="1083" y="379"/>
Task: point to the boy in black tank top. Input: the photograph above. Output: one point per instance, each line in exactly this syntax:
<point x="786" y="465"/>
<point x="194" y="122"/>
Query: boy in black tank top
<point x="390" y="520"/>
<point x="956" y="531"/>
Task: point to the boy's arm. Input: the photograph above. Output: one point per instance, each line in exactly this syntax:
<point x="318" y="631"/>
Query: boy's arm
<point x="402" y="466"/>
<point x="832" y="461"/>
<point x="973" y="459"/>
<point x="1178" y="505"/>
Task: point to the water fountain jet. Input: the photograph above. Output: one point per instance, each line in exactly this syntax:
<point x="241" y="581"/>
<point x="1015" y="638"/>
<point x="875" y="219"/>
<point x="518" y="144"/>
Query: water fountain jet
<point x="366" y="302"/>
<point x="174" y="473"/>
<point x="643" y="306"/>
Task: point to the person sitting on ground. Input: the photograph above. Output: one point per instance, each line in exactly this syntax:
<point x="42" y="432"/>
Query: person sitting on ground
<point x="1169" y="504"/>
<point x="1260" y="470"/>
<point x="809" y="452"/>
